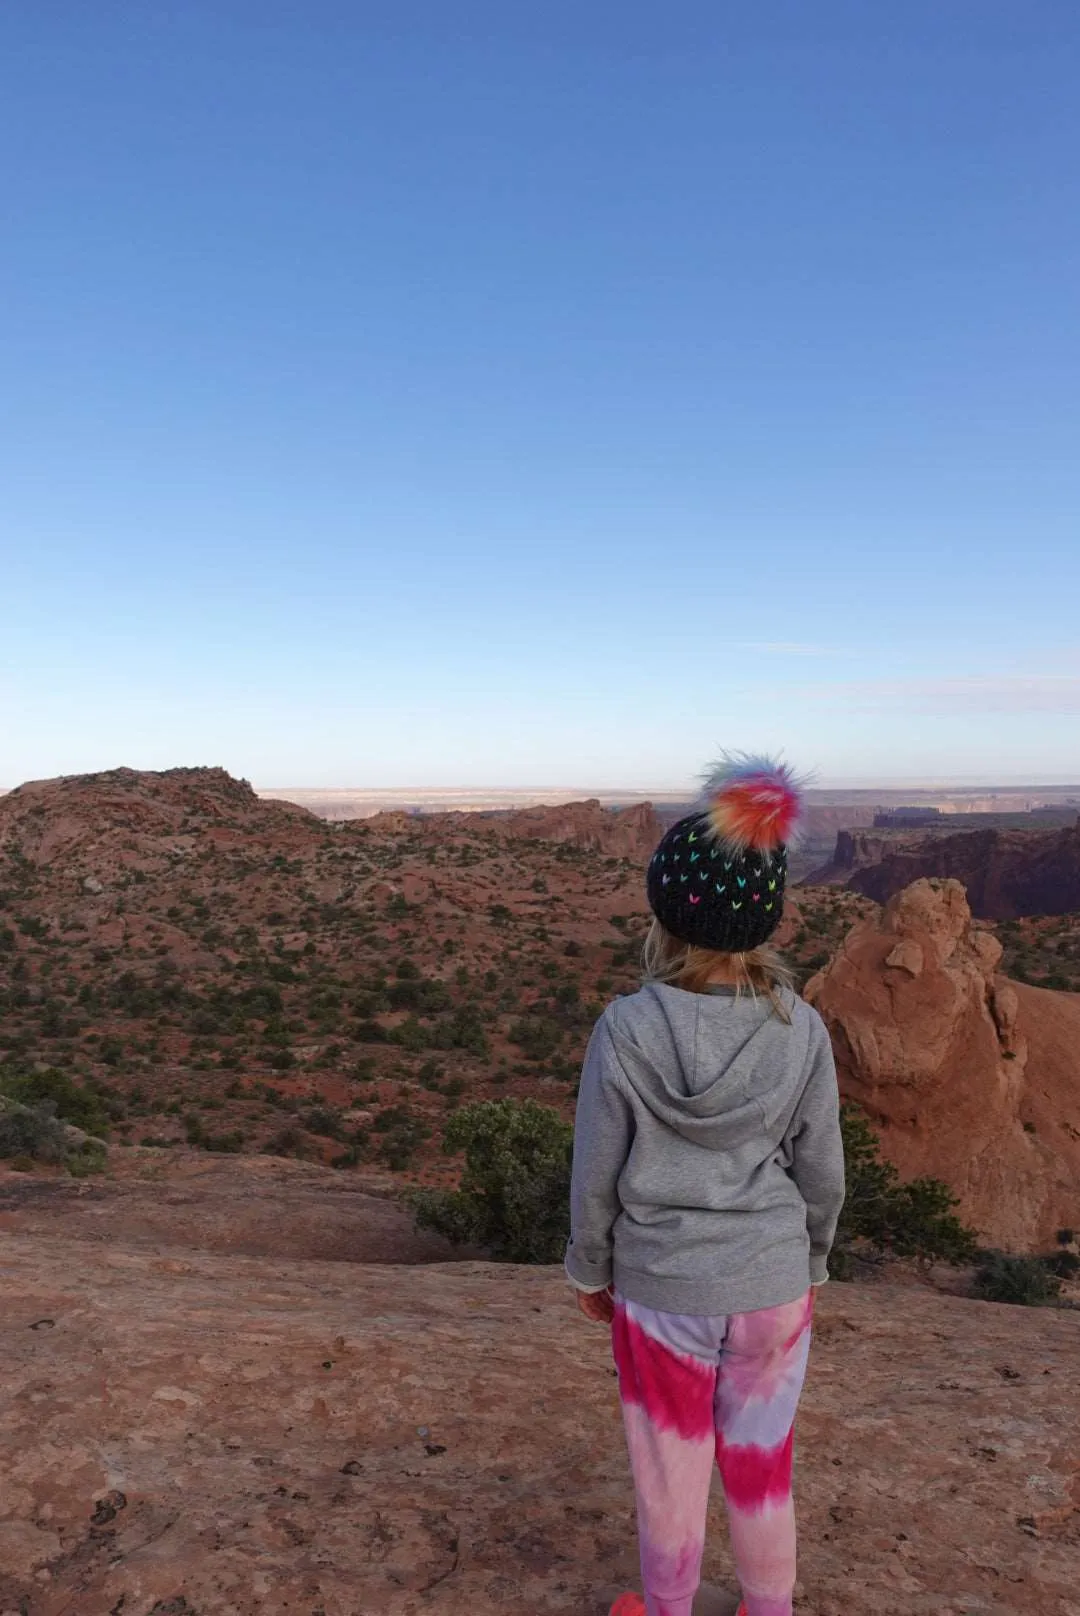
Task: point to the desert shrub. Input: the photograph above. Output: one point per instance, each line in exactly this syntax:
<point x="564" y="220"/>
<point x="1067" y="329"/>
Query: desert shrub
<point x="399" y="1136"/>
<point x="262" y="999"/>
<point x="464" y="1029"/>
<point x="915" y="1219"/>
<point x="417" y="993"/>
<point x="410" y="1035"/>
<point x="536" y="1036"/>
<point x="230" y="1143"/>
<point x="369" y="1032"/>
<point x="514" y="1196"/>
<point x="323" y="1120"/>
<point x="32" y="1133"/>
<point x="82" y="1106"/>
<point x="288" y="1141"/>
<point x="354" y="1152"/>
<point x="430" y="1075"/>
<point x="1023" y="1281"/>
<point x="88" y="1157"/>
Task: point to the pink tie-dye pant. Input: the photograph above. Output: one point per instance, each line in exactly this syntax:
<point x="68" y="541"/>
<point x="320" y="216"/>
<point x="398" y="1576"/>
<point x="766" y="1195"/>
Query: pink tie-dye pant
<point x="694" y="1386"/>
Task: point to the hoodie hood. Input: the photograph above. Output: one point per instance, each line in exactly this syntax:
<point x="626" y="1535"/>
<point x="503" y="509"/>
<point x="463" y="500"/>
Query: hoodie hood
<point x="714" y="1067"/>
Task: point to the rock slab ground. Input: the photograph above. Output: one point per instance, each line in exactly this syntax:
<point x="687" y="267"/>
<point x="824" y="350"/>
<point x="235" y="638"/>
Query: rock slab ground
<point x="198" y="1433"/>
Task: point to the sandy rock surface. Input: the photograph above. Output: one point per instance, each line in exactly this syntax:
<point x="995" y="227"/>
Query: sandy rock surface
<point x="191" y="1433"/>
<point x="249" y="1206"/>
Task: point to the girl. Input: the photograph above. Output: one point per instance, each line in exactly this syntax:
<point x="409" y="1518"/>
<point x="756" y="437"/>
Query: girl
<point x="708" y="1179"/>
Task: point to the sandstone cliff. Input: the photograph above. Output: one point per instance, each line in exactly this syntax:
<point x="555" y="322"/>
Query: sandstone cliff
<point x="1006" y="873"/>
<point x="970" y="1078"/>
<point x="616" y="832"/>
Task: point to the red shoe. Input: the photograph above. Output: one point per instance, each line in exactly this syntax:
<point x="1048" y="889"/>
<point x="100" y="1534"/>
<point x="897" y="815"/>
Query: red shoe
<point x="628" y="1605"/>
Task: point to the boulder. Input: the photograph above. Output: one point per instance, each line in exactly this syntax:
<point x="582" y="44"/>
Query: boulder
<point x="968" y="1077"/>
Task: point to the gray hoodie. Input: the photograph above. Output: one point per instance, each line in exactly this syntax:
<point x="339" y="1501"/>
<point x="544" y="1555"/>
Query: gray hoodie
<point x="708" y="1166"/>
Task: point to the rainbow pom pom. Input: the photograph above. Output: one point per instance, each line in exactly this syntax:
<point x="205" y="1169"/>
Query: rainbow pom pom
<point x="753" y="803"/>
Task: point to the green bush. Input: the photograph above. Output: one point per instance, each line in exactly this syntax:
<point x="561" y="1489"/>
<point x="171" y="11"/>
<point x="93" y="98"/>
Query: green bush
<point x="286" y="1142"/>
<point x="32" y="1132"/>
<point x="324" y="1120"/>
<point x="880" y="1213"/>
<point x="414" y="993"/>
<point x="48" y="1086"/>
<point x="370" y="1032"/>
<point x="514" y="1196"/>
<point x="464" y="1029"/>
<point x="1023" y="1281"/>
<point x="399" y="1136"/>
<point x="536" y="1036"/>
<point x="89" y="1157"/>
<point x="410" y="1035"/>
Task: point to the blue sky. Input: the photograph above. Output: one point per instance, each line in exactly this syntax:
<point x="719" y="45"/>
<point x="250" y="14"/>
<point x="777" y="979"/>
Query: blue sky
<point x="539" y="394"/>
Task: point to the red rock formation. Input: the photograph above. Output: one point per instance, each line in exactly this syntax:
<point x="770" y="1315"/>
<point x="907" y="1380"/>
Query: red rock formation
<point x="121" y="812"/>
<point x="1006" y="873"/>
<point x="969" y="1077"/>
<point x="616" y="832"/>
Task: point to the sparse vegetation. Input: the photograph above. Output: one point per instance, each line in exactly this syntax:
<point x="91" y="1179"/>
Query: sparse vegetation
<point x="255" y="983"/>
<point x="1022" y="1281"/>
<point x="884" y="1216"/>
<point x="48" y="1090"/>
<point x="513" y="1199"/>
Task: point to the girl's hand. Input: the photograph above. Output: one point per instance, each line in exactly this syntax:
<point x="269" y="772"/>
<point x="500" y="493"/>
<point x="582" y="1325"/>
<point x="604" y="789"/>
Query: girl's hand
<point x="599" y="1306"/>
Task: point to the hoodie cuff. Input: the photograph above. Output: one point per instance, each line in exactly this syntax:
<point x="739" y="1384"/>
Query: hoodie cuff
<point x="587" y="1276"/>
<point x="819" y="1269"/>
<point x="586" y="1290"/>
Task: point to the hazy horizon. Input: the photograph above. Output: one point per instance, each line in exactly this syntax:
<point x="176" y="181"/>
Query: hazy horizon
<point x="673" y="790"/>
<point x="855" y="783"/>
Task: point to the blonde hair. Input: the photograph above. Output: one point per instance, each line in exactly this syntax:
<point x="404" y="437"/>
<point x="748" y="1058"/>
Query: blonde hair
<point x="760" y="971"/>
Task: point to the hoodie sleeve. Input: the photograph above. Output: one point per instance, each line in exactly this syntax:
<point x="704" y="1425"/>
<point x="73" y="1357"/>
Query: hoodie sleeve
<point x="817" y="1151"/>
<point x="603" y="1130"/>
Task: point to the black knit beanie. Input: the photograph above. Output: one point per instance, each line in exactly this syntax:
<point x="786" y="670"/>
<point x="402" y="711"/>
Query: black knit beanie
<point x="717" y="878"/>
